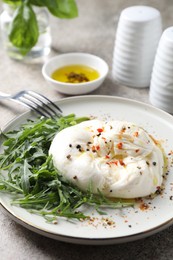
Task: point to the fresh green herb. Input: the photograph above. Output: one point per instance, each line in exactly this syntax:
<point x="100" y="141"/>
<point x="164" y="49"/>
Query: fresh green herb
<point x="12" y="2"/>
<point x="24" y="30"/>
<point x="27" y="172"/>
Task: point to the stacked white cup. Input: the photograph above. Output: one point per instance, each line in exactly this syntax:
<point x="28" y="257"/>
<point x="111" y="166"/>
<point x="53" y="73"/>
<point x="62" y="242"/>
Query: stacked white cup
<point x="138" y="33"/>
<point x="161" y="87"/>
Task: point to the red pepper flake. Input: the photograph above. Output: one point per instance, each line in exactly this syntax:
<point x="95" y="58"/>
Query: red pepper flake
<point x="97" y="147"/>
<point x="137" y="150"/>
<point x="136" y="134"/>
<point x="119" y="145"/>
<point x="100" y="130"/>
<point x="159" y="190"/>
<point x="123" y="130"/>
<point x="116" y="162"/>
<point x="107" y="156"/>
<point x="144" y="206"/>
<point x="93" y="149"/>
<point x="121" y="163"/>
<point x="110" y="223"/>
<point x="112" y="162"/>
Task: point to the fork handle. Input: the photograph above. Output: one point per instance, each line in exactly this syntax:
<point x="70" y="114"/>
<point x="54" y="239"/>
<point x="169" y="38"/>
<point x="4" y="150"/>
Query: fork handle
<point x="4" y="95"/>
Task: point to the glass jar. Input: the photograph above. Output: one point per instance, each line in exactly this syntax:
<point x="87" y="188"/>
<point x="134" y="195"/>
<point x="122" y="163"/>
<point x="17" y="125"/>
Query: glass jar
<point x="42" y="47"/>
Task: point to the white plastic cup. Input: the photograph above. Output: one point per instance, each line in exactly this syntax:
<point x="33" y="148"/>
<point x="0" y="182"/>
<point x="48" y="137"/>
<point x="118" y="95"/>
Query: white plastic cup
<point x="138" y="33"/>
<point x="161" y="87"/>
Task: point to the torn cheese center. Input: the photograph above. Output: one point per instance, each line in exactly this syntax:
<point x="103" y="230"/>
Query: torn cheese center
<point x="117" y="158"/>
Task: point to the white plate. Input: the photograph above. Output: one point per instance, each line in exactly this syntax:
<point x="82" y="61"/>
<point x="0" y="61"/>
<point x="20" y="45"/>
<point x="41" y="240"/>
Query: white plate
<point x="127" y="224"/>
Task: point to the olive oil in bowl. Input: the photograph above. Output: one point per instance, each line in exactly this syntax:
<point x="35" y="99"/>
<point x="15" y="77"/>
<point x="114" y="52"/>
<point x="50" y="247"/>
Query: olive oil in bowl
<point x="75" y="74"/>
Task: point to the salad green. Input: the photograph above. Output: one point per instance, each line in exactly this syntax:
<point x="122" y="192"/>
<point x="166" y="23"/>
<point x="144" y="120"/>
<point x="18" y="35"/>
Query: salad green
<point x="28" y="174"/>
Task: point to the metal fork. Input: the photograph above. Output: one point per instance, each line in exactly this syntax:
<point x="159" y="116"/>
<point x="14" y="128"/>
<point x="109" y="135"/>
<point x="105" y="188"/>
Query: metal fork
<point x="35" y="101"/>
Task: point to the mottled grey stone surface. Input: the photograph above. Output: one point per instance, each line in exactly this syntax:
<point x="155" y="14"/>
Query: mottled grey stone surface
<point x="94" y="32"/>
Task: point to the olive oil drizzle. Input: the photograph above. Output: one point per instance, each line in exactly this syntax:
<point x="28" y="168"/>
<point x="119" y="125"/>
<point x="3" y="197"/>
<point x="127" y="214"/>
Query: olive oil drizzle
<point x="75" y="74"/>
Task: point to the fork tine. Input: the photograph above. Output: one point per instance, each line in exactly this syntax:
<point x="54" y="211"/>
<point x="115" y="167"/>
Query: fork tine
<point x="42" y="104"/>
<point x="31" y="106"/>
<point x="35" y="94"/>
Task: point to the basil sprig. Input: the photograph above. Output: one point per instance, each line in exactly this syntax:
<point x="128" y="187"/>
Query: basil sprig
<point x="59" y="8"/>
<point x="24" y="30"/>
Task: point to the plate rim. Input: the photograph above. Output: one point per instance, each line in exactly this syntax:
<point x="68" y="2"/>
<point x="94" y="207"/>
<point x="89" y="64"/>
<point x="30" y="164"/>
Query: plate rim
<point x="83" y="240"/>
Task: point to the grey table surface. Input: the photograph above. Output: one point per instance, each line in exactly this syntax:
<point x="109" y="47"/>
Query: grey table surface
<point x="92" y="32"/>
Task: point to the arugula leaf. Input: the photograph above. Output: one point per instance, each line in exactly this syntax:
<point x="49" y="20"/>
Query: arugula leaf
<point x="25" y="183"/>
<point x="32" y="177"/>
<point x="24" y="31"/>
